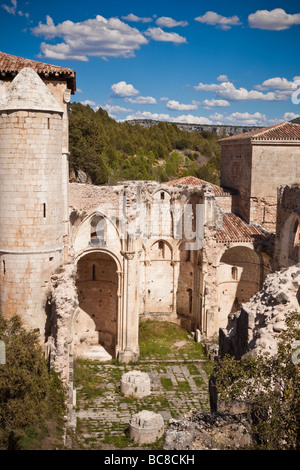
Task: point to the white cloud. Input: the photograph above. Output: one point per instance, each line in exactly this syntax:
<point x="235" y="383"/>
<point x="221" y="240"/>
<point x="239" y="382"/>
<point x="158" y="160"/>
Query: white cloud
<point x="142" y="100"/>
<point x="123" y="89"/>
<point x="215" y="103"/>
<point x="96" y="37"/>
<point x="228" y="91"/>
<point x="276" y="83"/>
<point x="290" y="116"/>
<point x="185" y="118"/>
<point x="11" y="9"/>
<point x="274" y="20"/>
<point x="215" y="19"/>
<point x="189" y="118"/>
<point x="164" y="98"/>
<point x="157" y="34"/>
<point x="115" y="109"/>
<point x="223" y="78"/>
<point x="88" y="102"/>
<point x="136" y="19"/>
<point x="172" y="104"/>
<point x="148" y="115"/>
<point x="246" y="119"/>
<point x="167" y="22"/>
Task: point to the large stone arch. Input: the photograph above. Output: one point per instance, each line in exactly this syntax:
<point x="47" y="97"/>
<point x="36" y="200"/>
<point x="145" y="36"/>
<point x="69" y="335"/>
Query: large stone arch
<point x="98" y="287"/>
<point x="240" y="274"/>
<point x="289" y="252"/>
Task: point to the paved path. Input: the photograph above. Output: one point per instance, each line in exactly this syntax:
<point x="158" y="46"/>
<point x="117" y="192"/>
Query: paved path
<point x="176" y="388"/>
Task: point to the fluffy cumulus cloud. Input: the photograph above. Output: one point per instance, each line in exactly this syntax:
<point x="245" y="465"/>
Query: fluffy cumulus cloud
<point x="136" y="19"/>
<point x="175" y="105"/>
<point x="114" y="110"/>
<point x="123" y="89"/>
<point x="184" y="118"/>
<point x="142" y="100"/>
<point x="277" y="83"/>
<point x="88" y="102"/>
<point x="242" y="119"/>
<point x="215" y="103"/>
<point x="98" y="37"/>
<point x="158" y="34"/>
<point x="228" y="91"/>
<point x="167" y="22"/>
<point x="290" y="116"/>
<point x="223" y="78"/>
<point x="222" y="22"/>
<point x="274" y="20"/>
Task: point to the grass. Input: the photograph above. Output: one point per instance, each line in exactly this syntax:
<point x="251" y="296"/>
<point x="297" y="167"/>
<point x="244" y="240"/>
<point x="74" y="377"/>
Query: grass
<point x="158" y="340"/>
<point x="167" y="383"/>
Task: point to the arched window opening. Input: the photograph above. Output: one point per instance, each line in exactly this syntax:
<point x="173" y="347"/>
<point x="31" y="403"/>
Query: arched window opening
<point x="234" y="273"/>
<point x="296" y="232"/>
<point x="98" y="231"/>
<point x="190" y="293"/>
<point x="161" y="249"/>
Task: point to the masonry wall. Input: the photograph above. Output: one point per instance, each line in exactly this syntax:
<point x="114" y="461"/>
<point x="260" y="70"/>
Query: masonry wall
<point x="272" y="164"/>
<point x="287" y="250"/>
<point x="236" y="164"/>
<point x="30" y="211"/>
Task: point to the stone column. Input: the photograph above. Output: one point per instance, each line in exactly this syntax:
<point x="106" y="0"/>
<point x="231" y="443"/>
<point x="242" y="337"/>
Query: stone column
<point x="130" y="319"/>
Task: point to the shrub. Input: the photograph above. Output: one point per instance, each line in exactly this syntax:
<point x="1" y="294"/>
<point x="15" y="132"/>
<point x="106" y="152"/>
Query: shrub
<point x="32" y="398"/>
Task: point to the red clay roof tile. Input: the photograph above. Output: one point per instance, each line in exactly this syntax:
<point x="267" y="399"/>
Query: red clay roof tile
<point x="282" y="131"/>
<point x="10" y="65"/>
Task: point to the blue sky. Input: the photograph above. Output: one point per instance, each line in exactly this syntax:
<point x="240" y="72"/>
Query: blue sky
<point x="182" y="61"/>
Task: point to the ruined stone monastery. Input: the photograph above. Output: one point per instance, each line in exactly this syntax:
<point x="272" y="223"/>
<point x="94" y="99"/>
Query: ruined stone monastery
<point x="83" y="264"/>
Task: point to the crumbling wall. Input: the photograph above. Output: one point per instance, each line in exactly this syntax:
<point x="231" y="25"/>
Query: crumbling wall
<point x="256" y="326"/>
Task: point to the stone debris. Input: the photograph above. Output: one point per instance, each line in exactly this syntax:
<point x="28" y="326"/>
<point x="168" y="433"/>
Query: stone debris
<point x="257" y="325"/>
<point x="208" y="431"/>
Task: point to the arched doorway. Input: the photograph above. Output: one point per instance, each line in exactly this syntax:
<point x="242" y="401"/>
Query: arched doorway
<point x="97" y="288"/>
<point x="240" y="275"/>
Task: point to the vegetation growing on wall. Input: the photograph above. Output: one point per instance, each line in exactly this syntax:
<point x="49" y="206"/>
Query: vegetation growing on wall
<point x="109" y="151"/>
<point x="32" y="398"/>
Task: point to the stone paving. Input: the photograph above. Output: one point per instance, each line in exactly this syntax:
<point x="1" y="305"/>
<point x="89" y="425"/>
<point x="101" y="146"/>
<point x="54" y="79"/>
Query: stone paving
<point x="176" y="388"/>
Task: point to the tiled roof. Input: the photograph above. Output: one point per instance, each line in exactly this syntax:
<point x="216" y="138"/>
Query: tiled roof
<point x="193" y="181"/>
<point x="236" y="229"/>
<point x="10" y="65"/>
<point x="282" y="131"/>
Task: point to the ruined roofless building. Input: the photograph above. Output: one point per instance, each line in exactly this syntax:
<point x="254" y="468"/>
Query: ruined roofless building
<point x="47" y="223"/>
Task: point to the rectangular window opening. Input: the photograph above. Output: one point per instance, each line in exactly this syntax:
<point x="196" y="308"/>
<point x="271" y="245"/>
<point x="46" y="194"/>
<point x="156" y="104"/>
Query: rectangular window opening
<point x="94" y="272"/>
<point x="4" y="268"/>
<point x="44" y="210"/>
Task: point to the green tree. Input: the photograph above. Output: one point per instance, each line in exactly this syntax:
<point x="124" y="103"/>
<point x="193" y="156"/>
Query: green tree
<point x="32" y="399"/>
<point x="271" y="385"/>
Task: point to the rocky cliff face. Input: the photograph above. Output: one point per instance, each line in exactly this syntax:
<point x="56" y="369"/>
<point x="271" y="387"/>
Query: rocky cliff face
<point x="257" y="325"/>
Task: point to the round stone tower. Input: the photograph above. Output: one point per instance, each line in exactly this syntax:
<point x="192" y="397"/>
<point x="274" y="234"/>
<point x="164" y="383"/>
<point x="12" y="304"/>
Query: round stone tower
<point x="31" y="208"/>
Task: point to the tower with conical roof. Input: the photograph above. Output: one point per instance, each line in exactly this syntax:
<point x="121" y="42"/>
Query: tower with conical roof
<point x="31" y="207"/>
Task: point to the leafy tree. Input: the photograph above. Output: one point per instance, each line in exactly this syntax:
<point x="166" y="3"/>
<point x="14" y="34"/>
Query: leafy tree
<point x="99" y="146"/>
<point x="32" y="399"/>
<point x="271" y="384"/>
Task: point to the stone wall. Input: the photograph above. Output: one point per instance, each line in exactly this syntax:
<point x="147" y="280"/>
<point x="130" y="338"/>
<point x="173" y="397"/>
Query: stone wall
<point x="287" y="250"/>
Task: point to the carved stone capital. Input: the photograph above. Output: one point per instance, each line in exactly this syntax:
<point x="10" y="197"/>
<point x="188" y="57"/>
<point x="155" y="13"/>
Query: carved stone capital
<point x="128" y="254"/>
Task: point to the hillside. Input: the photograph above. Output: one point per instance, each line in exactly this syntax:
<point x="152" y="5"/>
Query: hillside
<point x="109" y="151"/>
